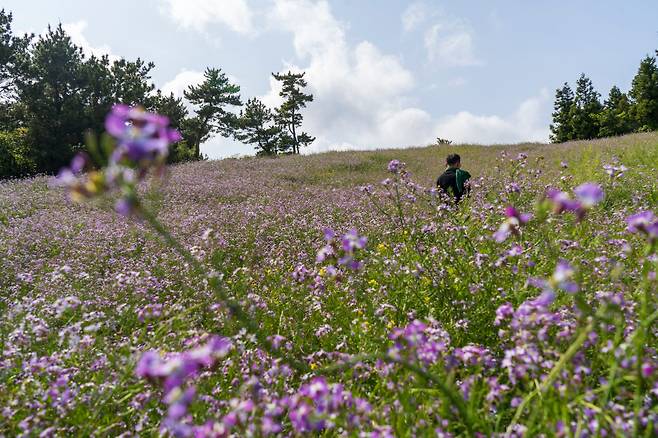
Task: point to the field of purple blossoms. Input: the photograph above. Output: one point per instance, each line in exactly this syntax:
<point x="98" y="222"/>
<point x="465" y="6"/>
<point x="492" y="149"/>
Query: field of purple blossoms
<point x="339" y="295"/>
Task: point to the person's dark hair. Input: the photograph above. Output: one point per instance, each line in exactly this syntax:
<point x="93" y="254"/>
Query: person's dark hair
<point x="453" y="159"/>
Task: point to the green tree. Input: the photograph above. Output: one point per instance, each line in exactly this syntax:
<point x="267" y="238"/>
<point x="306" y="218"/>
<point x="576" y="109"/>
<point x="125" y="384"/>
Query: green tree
<point x="132" y="82"/>
<point x="585" y="110"/>
<point x="96" y="91"/>
<point x="257" y="128"/>
<point x="15" y="154"/>
<point x="615" y="118"/>
<point x="644" y="95"/>
<point x="288" y="115"/>
<point x="211" y="99"/>
<point x="12" y="48"/>
<point x="561" y="128"/>
<point x="174" y="108"/>
<point x="49" y="87"/>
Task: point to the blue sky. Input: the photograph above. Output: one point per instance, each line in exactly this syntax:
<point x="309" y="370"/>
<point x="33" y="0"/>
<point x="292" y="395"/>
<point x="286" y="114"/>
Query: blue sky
<point x="385" y="73"/>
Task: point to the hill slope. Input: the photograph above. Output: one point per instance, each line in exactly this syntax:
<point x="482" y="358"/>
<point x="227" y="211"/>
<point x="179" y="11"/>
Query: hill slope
<point x="432" y="326"/>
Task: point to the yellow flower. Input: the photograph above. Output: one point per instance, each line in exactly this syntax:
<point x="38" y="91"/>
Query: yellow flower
<point x="390" y="324"/>
<point x="314" y="366"/>
<point x="373" y="283"/>
<point x="381" y="248"/>
<point x="322" y="272"/>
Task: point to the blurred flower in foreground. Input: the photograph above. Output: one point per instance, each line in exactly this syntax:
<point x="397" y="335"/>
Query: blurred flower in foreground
<point x="142" y="137"/>
<point x="645" y="223"/>
<point x="587" y="196"/>
<point x="142" y="142"/>
<point x="512" y="224"/>
<point x="562" y="278"/>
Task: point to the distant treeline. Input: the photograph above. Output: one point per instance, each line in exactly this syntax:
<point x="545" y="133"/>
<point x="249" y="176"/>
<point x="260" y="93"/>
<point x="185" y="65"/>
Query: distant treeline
<point x="51" y="94"/>
<point x="582" y="116"/>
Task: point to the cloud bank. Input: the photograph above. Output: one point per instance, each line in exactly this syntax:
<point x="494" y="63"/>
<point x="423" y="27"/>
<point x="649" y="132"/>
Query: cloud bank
<point x="364" y="98"/>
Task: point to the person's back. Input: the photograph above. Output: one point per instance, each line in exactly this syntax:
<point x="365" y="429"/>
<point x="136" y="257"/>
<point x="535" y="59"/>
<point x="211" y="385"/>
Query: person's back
<point x="453" y="180"/>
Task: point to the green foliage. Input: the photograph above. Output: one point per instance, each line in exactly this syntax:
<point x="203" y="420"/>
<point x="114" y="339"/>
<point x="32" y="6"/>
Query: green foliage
<point x="615" y="118"/>
<point x="288" y="115"/>
<point x="49" y="86"/>
<point x="583" y="117"/>
<point x="585" y="110"/>
<point x="644" y="93"/>
<point x="257" y="128"/>
<point x="561" y="129"/>
<point x="15" y="159"/>
<point x="211" y="98"/>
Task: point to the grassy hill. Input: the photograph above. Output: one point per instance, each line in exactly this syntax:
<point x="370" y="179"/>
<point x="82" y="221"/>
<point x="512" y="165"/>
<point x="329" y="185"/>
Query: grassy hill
<point x="432" y="326"/>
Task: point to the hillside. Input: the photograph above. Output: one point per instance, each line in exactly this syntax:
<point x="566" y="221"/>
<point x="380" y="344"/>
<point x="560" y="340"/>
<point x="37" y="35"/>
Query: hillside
<point x="432" y="326"/>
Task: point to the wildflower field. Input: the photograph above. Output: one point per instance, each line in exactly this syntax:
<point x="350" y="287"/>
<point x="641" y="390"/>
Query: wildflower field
<point x="337" y="295"/>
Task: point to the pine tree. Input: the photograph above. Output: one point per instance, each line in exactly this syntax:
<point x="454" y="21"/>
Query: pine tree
<point x="132" y="82"/>
<point x="12" y="50"/>
<point x="585" y="110"/>
<point x="49" y="87"/>
<point x="615" y="118"/>
<point x="288" y="115"/>
<point x="257" y="128"/>
<point x="644" y="95"/>
<point x="561" y="129"/>
<point x="211" y="98"/>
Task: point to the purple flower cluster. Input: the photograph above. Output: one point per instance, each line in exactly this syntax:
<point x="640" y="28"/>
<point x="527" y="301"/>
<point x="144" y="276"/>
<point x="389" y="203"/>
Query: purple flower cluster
<point x="419" y="342"/>
<point x="614" y="171"/>
<point x="174" y="371"/>
<point x="587" y="196"/>
<point x="562" y="279"/>
<point x="317" y="405"/>
<point x="142" y="142"/>
<point x="512" y="224"/>
<point x="341" y="251"/>
<point x="142" y="137"/>
<point x="396" y="166"/>
<point x="644" y="223"/>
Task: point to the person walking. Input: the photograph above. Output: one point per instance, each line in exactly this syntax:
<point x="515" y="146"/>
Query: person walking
<point x="453" y="181"/>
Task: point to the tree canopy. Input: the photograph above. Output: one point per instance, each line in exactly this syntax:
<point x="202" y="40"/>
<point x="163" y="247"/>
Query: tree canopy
<point x="582" y="116"/>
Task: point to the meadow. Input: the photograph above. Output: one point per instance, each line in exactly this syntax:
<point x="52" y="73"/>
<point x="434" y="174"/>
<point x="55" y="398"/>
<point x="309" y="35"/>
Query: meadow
<point x="339" y="295"/>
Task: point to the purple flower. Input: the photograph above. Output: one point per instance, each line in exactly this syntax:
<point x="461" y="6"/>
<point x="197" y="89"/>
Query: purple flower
<point x="562" y="202"/>
<point x="395" y="166"/>
<point x="645" y="223"/>
<point x="589" y="194"/>
<point x="562" y="277"/>
<point x="647" y="370"/>
<point x="512" y="224"/>
<point x="141" y="136"/>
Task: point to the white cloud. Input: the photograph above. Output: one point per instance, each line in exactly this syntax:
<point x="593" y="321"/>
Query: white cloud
<point x="363" y="98"/>
<point x="199" y="14"/>
<point x="457" y="82"/>
<point x="414" y="15"/>
<point x="450" y="44"/>
<point x="449" y="41"/>
<point x="76" y="32"/>
<point x="181" y="81"/>
<point x="527" y="123"/>
<point x="360" y="93"/>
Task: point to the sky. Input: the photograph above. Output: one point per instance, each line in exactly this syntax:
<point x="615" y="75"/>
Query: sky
<point x="384" y="73"/>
